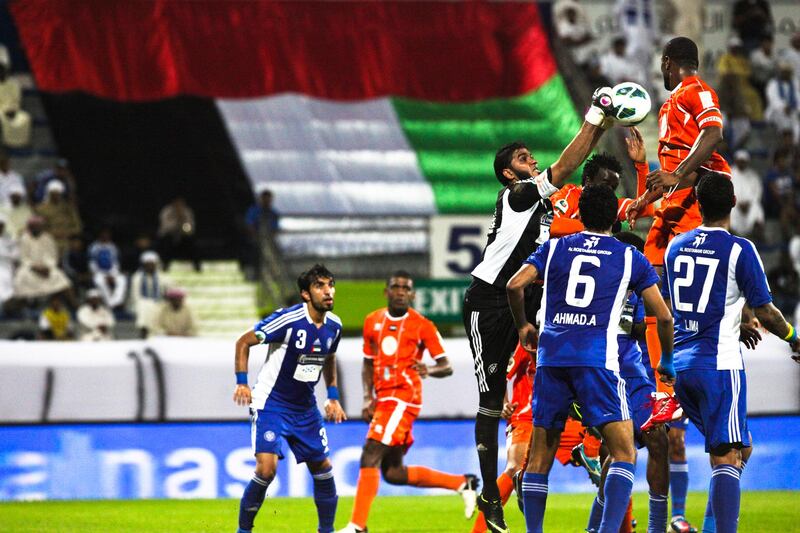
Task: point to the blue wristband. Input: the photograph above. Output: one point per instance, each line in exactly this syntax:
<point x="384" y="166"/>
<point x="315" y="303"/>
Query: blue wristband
<point x="241" y="378"/>
<point x="333" y="393"/>
<point x="667" y="364"/>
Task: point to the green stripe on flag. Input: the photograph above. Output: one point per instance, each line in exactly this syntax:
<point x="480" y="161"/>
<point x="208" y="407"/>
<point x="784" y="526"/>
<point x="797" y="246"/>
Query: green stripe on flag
<point x="456" y="143"/>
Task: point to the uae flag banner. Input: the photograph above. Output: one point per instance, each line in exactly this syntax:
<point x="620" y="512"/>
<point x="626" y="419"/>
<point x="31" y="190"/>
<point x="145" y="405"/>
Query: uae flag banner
<point x="340" y="107"/>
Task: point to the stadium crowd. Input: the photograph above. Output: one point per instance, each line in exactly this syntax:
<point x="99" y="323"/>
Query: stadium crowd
<point x="73" y="284"/>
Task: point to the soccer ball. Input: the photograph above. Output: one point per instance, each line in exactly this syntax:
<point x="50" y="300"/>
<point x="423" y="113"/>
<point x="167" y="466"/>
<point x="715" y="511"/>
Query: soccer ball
<point x="631" y="103"/>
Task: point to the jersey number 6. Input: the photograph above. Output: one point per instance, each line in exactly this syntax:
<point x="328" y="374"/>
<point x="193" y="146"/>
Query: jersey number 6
<point x="576" y="279"/>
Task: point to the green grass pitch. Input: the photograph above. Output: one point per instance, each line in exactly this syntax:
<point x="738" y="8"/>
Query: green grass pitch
<point x="761" y="512"/>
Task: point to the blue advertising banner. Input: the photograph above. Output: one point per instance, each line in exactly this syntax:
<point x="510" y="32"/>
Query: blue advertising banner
<point x="214" y="460"/>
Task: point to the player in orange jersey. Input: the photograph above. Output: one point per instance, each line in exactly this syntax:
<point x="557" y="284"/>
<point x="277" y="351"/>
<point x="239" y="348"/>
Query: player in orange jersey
<point x="599" y="169"/>
<point x="690" y="128"/>
<point x="395" y="338"/>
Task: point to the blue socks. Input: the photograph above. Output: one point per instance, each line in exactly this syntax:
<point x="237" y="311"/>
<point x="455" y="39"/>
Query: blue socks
<point x="678" y="486"/>
<point x="617" y="492"/>
<point x="709" y="525"/>
<point x="251" y="502"/>
<point x="724" y="496"/>
<point x="325" y="499"/>
<point x="657" y="522"/>
<point x="534" y="497"/>
<point x="596" y="515"/>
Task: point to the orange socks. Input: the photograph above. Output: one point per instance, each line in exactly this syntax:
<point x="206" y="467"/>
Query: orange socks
<point x="506" y="486"/>
<point x="591" y="445"/>
<point x="654" y="347"/>
<point x="420" y="476"/>
<point x="626" y="522"/>
<point x="366" y="490"/>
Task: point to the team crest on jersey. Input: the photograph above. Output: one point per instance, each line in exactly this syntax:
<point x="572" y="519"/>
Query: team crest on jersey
<point x="510" y="364"/>
<point x="561" y="205"/>
<point x="591" y="242"/>
<point x="492" y="368"/>
<point x="699" y="239"/>
<point x="269" y="436"/>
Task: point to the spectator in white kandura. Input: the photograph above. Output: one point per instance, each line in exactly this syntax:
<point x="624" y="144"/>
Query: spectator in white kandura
<point x="14" y="122"/>
<point x="638" y="22"/>
<point x="9" y="256"/>
<point x="617" y="66"/>
<point x="104" y="264"/>
<point x="17" y="212"/>
<point x="783" y="100"/>
<point x="9" y="179"/>
<point x="792" y="54"/>
<point x="747" y="217"/>
<point x="175" y="318"/>
<point x="148" y="285"/>
<point x="95" y="320"/>
<point x="764" y="62"/>
<point x="572" y="27"/>
<point x="38" y="274"/>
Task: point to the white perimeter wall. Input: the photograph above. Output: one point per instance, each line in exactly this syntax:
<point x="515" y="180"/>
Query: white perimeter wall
<point x="98" y="381"/>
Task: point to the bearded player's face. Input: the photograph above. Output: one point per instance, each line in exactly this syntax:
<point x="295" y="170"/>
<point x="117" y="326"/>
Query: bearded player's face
<point x="524" y="165"/>
<point x="320" y="294"/>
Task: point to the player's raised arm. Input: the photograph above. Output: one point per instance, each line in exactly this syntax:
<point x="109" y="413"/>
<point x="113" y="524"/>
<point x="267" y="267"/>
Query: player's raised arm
<point x="656" y="306"/>
<point x="515" y="289"/>
<point x="333" y="409"/>
<point x="596" y="121"/>
<point x="242" y="395"/>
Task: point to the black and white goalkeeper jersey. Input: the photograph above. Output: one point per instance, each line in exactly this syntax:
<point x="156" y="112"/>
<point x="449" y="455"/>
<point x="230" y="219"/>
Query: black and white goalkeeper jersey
<point x="521" y="222"/>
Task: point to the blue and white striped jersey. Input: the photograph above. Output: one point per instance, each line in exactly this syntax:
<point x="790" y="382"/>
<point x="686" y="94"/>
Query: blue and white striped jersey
<point x="297" y="351"/>
<point x="586" y="281"/>
<point x="708" y="276"/>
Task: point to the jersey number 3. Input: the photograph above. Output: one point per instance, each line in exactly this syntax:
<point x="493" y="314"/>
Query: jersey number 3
<point x="688" y="280"/>
<point x="301" y="339"/>
<point x="576" y="279"/>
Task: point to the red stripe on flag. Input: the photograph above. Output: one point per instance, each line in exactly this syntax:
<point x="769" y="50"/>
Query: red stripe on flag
<point x="135" y="50"/>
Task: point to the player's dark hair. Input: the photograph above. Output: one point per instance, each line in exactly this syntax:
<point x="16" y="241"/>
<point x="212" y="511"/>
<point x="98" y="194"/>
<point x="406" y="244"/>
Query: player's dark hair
<point x="715" y="194"/>
<point x="398" y="274"/>
<point x="311" y="275"/>
<point x="598" y="207"/>
<point x="682" y="51"/>
<point x="502" y="160"/>
<point x="598" y="162"/>
<point x="628" y="237"/>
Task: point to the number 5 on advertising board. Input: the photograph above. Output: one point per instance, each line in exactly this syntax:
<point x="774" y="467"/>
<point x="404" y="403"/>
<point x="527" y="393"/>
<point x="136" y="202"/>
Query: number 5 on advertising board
<point x="456" y="244"/>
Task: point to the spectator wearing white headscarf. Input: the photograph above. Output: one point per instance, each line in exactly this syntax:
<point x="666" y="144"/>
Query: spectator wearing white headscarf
<point x="17" y="212"/>
<point x="38" y="274"/>
<point x="60" y="214"/>
<point x="95" y="320"/>
<point x="747" y="217"/>
<point x="148" y="285"/>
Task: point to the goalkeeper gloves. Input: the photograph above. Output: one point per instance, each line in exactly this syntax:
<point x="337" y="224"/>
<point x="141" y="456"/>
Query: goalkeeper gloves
<point x="601" y="112"/>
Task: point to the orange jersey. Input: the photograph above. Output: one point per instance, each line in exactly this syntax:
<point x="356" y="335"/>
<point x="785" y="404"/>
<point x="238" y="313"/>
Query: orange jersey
<point x="396" y="344"/>
<point x="567" y="216"/>
<point x="691" y="107"/>
<point x="521" y="371"/>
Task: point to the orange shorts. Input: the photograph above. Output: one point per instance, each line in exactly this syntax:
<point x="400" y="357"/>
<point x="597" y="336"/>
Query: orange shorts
<point x="570" y="437"/>
<point x="392" y="421"/>
<point x="519" y="433"/>
<point x="678" y="214"/>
